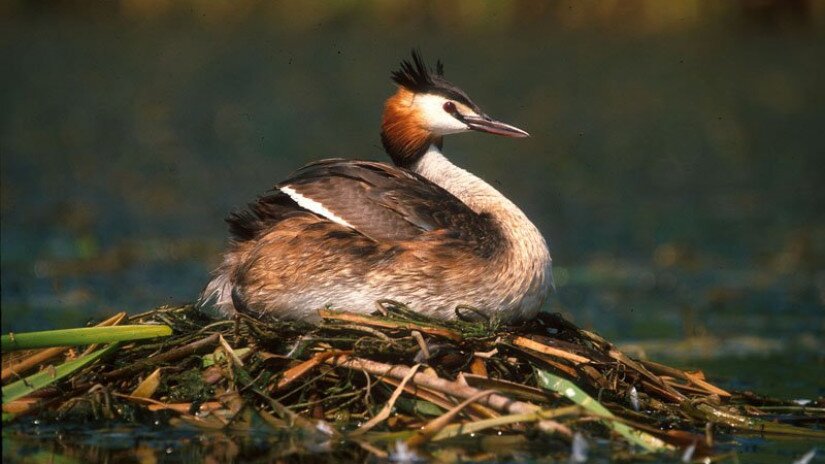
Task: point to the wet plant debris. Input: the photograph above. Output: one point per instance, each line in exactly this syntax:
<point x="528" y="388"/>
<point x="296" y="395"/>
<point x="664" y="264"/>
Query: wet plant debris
<point x="392" y="385"/>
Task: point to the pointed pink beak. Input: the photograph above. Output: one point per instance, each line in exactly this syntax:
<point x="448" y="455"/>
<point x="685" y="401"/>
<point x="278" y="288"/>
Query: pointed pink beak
<point x="491" y="126"/>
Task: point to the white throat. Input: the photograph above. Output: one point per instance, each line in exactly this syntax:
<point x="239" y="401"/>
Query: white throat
<point x="526" y="248"/>
<point x="481" y="197"/>
<point x="470" y="189"/>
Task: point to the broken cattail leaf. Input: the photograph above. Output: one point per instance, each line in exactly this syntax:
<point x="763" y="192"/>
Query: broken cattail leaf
<point x="633" y="396"/>
<point x="579" y="448"/>
<point x="687" y="455"/>
<point x="346" y="368"/>
<point x="148" y="386"/>
<point x="807" y="457"/>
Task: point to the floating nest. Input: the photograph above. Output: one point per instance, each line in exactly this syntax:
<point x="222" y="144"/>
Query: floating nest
<point x="398" y="385"/>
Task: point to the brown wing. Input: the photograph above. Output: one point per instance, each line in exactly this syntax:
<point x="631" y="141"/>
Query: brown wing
<point x="387" y="203"/>
<point x="265" y="212"/>
<point x="380" y="201"/>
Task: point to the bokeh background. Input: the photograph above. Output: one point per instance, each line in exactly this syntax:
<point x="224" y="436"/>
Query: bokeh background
<point x="675" y="163"/>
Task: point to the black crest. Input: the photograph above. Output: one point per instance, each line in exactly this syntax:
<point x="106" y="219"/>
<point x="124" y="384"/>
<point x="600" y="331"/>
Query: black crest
<point x="416" y="76"/>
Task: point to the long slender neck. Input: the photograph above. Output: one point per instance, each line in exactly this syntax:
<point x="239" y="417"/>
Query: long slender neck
<point x="411" y="145"/>
<point x="471" y="190"/>
<point x="524" y="238"/>
<point x="525" y="249"/>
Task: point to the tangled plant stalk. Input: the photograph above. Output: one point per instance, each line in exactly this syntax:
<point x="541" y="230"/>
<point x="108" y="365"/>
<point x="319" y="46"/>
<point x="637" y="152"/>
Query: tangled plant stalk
<point x="404" y="378"/>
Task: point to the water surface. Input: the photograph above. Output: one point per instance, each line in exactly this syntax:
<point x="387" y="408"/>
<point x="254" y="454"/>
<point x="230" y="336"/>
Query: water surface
<point x="674" y="164"/>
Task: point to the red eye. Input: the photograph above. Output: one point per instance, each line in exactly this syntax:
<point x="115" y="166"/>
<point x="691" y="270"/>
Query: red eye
<point x="449" y="107"/>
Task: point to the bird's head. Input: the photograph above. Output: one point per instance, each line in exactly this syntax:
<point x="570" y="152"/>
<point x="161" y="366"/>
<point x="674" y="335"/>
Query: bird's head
<point x="427" y="107"/>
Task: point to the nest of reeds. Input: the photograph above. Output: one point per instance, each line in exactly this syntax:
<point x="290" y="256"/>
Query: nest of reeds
<point x="392" y="382"/>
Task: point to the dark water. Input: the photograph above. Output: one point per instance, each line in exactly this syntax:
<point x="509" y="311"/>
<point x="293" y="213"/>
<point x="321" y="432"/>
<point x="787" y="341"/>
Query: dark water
<point x="675" y="161"/>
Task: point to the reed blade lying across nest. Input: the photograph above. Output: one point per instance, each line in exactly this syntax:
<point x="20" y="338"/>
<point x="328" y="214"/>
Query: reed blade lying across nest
<point x="392" y="379"/>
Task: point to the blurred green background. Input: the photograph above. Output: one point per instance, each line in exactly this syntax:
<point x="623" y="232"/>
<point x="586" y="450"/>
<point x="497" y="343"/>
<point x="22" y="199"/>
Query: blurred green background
<point x="675" y="162"/>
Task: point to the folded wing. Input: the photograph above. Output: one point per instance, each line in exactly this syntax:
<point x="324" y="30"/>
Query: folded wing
<point x="380" y="201"/>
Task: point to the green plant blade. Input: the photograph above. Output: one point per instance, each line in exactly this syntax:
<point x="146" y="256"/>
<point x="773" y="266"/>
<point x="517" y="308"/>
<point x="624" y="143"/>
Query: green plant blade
<point x="83" y="336"/>
<point x="754" y="424"/>
<point x="212" y="358"/>
<point x="46" y="377"/>
<point x="454" y="430"/>
<point x="567" y="388"/>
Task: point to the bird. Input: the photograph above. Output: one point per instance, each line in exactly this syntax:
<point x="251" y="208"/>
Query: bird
<point x="344" y="234"/>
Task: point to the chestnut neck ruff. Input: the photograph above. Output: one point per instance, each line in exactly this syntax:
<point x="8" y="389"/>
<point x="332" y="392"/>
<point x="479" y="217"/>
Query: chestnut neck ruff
<point x="403" y="134"/>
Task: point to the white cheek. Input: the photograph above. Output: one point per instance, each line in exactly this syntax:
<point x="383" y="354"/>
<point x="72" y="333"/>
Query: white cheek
<point x="431" y="108"/>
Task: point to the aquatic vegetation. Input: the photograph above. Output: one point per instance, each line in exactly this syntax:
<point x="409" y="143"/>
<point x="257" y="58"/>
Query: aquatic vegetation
<point x="85" y="336"/>
<point x="395" y="383"/>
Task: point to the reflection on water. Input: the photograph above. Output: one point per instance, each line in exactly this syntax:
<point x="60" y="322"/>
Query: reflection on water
<point x="674" y="163"/>
<point x="31" y="443"/>
<point x="106" y="443"/>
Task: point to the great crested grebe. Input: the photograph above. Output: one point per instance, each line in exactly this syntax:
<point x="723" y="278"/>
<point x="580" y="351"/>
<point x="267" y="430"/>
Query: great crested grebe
<point x="347" y="233"/>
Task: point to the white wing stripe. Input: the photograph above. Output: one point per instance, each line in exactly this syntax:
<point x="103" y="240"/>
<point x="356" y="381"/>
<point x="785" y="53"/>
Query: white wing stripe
<point x="314" y="206"/>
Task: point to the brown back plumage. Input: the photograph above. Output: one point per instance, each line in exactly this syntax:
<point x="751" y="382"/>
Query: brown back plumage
<point x="267" y="211"/>
<point x="382" y="202"/>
